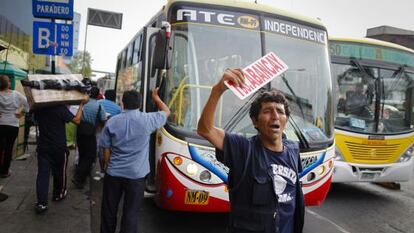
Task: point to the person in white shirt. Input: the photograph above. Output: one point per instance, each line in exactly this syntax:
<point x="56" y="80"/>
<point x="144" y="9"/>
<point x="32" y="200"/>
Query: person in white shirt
<point x="12" y="107"/>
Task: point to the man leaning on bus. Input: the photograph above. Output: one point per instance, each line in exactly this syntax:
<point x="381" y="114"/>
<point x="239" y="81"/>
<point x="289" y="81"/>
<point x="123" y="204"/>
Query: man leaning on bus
<point x="125" y="141"/>
<point x="264" y="189"/>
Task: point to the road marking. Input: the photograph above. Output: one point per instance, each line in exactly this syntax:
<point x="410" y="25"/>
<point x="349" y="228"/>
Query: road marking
<point x="326" y="219"/>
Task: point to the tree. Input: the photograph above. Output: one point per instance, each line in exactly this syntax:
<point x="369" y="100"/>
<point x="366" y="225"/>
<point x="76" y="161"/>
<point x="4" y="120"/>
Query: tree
<point x="81" y="64"/>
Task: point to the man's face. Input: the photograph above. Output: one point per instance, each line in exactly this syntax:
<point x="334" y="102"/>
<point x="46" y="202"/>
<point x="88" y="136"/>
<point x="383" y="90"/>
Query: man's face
<point x="271" y="121"/>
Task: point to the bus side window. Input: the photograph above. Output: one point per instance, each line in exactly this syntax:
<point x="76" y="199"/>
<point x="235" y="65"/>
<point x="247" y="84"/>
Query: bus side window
<point x="129" y="54"/>
<point x="137" y="50"/>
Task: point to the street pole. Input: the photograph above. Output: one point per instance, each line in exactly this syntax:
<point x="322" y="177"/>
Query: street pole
<point x="52" y="57"/>
<point x="84" y="45"/>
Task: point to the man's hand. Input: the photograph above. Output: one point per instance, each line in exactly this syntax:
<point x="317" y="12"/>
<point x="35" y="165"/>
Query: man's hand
<point x="154" y="95"/>
<point x="84" y="101"/>
<point x="158" y="102"/>
<point x="232" y="76"/>
<point x="205" y="127"/>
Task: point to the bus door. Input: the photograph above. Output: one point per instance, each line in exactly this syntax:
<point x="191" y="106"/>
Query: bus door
<point x="154" y="63"/>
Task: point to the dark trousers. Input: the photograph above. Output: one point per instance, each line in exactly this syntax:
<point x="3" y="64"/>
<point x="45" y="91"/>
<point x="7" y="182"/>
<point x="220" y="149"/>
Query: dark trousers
<point x="113" y="188"/>
<point x="8" y="135"/>
<point x="55" y="160"/>
<point x="87" y="155"/>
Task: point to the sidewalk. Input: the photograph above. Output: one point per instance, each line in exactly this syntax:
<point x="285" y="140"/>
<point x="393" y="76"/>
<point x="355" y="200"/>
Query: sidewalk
<point x="17" y="212"/>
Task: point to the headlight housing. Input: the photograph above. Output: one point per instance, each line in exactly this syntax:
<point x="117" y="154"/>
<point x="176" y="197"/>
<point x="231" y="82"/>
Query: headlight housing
<point x="193" y="170"/>
<point x="407" y="155"/>
<point x="338" y="155"/>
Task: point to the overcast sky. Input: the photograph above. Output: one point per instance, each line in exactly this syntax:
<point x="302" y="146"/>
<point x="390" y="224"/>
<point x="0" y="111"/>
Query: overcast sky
<point x="342" y="18"/>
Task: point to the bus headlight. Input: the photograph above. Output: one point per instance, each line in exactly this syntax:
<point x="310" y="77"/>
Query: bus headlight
<point x="192" y="169"/>
<point x="320" y="170"/>
<point x="205" y="176"/>
<point x="338" y="155"/>
<point x="407" y="155"/>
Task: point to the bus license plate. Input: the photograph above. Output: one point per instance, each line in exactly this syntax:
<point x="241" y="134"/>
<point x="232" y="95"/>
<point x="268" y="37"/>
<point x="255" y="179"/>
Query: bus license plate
<point x="368" y="176"/>
<point x="195" y="197"/>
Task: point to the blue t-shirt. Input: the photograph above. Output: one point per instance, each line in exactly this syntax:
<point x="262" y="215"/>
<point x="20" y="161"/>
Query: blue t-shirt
<point x="90" y="111"/>
<point x="284" y="184"/>
<point x="110" y="107"/>
<point x="127" y="135"/>
<point x="284" y="179"/>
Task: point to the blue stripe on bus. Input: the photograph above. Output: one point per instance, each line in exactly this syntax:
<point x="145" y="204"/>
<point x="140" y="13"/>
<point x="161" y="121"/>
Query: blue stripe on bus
<point x="313" y="166"/>
<point x="207" y="164"/>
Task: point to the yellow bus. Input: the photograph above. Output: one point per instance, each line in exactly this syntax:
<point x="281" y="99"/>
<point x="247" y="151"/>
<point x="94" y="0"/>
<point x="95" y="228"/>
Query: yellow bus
<point x="184" y="49"/>
<point x="374" y="124"/>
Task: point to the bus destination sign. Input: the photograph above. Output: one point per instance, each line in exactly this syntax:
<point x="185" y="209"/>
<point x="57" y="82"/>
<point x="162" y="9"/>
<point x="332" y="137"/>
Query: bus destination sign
<point x="359" y="51"/>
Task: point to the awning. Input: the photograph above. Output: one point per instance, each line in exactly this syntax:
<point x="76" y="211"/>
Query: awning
<point x="9" y="69"/>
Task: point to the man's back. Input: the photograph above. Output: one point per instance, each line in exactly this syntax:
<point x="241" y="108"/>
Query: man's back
<point x="127" y="135"/>
<point x="51" y="121"/>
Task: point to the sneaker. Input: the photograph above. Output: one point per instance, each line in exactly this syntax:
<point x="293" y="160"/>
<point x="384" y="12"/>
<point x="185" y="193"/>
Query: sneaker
<point x="40" y="208"/>
<point x="61" y="196"/>
<point x="77" y="184"/>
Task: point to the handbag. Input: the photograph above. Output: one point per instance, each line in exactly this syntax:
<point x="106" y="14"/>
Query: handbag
<point x="86" y="128"/>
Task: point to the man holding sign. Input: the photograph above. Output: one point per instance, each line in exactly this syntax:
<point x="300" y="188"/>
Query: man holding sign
<point x="264" y="188"/>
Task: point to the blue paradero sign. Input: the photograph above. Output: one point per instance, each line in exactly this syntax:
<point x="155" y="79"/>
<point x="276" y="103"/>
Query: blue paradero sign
<point x="52" y="38"/>
<point x="56" y="9"/>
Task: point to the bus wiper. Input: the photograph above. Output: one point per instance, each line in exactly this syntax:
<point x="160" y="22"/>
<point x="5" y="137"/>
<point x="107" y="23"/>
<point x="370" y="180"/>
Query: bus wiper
<point x="297" y="100"/>
<point x="302" y="139"/>
<point x="299" y="133"/>
<point x="361" y="68"/>
<point x="241" y="112"/>
<point x="398" y="74"/>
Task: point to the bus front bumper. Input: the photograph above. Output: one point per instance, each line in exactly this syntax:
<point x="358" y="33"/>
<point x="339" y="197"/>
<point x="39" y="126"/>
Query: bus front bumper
<point x="396" y="172"/>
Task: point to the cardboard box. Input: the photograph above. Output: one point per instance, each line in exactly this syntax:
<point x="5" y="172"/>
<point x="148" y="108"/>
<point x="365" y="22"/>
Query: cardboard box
<point x="48" y="97"/>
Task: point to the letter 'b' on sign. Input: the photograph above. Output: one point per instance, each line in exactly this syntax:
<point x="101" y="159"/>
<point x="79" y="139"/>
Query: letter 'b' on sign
<point x="44" y="35"/>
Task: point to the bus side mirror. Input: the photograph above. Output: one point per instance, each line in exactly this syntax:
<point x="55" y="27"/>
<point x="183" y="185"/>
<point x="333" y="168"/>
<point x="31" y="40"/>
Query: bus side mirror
<point x="161" y="55"/>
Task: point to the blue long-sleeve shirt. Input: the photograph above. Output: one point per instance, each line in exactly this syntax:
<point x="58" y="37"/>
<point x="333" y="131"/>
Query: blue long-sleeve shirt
<point x="127" y="135"/>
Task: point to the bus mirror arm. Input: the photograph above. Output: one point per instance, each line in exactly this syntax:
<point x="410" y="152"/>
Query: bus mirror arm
<point x="162" y="55"/>
<point x="168" y="50"/>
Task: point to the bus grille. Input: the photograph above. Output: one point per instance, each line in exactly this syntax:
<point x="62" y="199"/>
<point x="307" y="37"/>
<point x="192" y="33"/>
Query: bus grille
<point x="374" y="153"/>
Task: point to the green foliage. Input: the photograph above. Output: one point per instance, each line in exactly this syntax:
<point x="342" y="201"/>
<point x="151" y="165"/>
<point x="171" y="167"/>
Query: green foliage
<point x="81" y="65"/>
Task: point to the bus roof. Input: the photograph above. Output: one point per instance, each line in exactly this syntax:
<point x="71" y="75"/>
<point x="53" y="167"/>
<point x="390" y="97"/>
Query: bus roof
<point x="371" y="41"/>
<point x="251" y="6"/>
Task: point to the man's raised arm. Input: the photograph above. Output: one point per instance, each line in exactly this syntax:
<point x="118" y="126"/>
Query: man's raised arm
<point x="206" y="126"/>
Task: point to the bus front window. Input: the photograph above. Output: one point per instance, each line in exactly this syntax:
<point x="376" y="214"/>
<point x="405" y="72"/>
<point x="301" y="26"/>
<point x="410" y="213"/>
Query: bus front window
<point x="373" y="100"/>
<point x="307" y="86"/>
<point x="200" y="56"/>
<point x="357" y="94"/>
<point x="395" y="115"/>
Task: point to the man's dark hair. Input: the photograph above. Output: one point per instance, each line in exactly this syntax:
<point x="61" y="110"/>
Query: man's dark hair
<point x="131" y="99"/>
<point x="110" y="95"/>
<point x="268" y="96"/>
<point x="4" y="82"/>
<point x="94" y="93"/>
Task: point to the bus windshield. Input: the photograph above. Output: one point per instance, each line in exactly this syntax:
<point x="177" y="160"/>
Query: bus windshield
<point x="373" y="99"/>
<point x="202" y="53"/>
